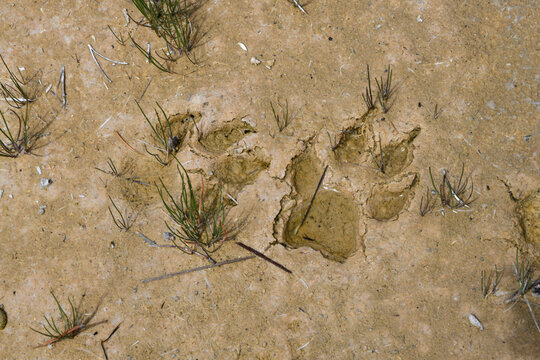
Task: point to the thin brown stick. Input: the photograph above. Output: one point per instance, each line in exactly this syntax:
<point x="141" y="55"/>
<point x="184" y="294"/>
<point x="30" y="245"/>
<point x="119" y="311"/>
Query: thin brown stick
<point x="166" y="276"/>
<point x="62" y="336"/>
<point x="312" y="199"/>
<point x="104" y="341"/>
<point x="126" y="143"/>
<point x="264" y="257"/>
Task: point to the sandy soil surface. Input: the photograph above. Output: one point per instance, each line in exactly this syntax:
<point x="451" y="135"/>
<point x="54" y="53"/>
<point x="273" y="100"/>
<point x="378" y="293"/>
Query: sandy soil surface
<point x="371" y="278"/>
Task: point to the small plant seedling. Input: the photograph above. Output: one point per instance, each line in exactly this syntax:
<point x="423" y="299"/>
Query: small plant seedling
<point x="112" y="169"/>
<point x="489" y="284"/>
<point x="122" y="221"/>
<point x="15" y="94"/>
<point x="168" y="143"/>
<point x="335" y="140"/>
<point x="160" y="66"/>
<point x="283" y="119"/>
<point x="385" y="90"/>
<point x="524" y="276"/>
<point x="454" y="195"/>
<point x="437" y="112"/>
<point x="72" y="325"/>
<point x="368" y="97"/>
<point x="20" y="141"/>
<point x="119" y="38"/>
<point x="379" y="163"/>
<point x="171" y="20"/>
<point x="426" y="204"/>
<point x="198" y="220"/>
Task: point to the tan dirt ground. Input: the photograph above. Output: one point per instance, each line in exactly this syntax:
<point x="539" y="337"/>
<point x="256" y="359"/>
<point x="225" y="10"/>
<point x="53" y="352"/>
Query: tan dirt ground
<point x="406" y="284"/>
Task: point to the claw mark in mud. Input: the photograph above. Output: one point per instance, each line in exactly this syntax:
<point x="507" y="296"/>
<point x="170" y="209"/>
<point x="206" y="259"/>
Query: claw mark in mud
<point x="528" y="211"/>
<point x="220" y="139"/>
<point x="242" y="170"/>
<point x="352" y="144"/>
<point x="388" y="200"/>
<point x="397" y="156"/>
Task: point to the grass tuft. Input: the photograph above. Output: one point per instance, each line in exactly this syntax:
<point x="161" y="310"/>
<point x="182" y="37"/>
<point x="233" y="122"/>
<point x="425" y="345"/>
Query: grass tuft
<point x="15" y="94"/>
<point x="489" y="284"/>
<point x="72" y="325"/>
<point x="368" y="97"/>
<point x="198" y="220"/>
<point x="385" y="90"/>
<point x="454" y="195"/>
<point x="524" y="273"/>
<point x="282" y="119"/>
<point x="122" y="221"/>
<point x="426" y="204"/>
<point x="171" y="20"/>
<point x="13" y="143"/>
<point x="162" y="131"/>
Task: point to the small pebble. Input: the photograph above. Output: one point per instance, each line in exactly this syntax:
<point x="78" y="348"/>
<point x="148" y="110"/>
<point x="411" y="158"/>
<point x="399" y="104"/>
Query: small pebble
<point x="3" y="317"/>
<point x="536" y="291"/>
<point x="41" y="210"/>
<point x="44" y="182"/>
<point x="176" y="298"/>
<point x="38" y="170"/>
<point x="254" y="61"/>
<point x="475" y="322"/>
<point x="134" y="290"/>
<point x="167" y="235"/>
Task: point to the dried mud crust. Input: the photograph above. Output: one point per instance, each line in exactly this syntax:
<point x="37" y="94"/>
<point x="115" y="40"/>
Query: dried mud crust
<point x="398" y="155"/>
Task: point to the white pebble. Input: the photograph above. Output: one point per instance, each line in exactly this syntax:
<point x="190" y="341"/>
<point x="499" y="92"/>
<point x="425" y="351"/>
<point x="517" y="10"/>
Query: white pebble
<point x="475" y="322"/>
<point x="44" y="182"/>
<point x="38" y="170"/>
<point x="254" y="61"/>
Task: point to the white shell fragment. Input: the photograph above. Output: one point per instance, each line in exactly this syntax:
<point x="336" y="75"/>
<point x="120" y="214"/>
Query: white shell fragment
<point x="475" y="322"/>
<point x="254" y="61"/>
<point x="242" y="46"/>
